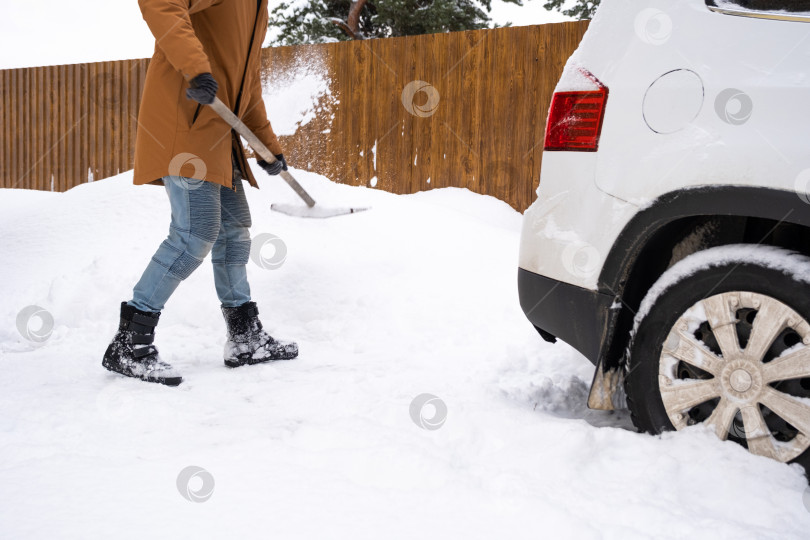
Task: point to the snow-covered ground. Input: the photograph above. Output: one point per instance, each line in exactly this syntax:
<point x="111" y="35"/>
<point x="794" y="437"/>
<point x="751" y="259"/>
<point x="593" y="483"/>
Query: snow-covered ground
<point x="48" y="32"/>
<point x="416" y="296"/>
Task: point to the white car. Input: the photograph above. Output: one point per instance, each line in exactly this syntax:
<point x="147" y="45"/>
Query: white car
<point x="670" y="241"/>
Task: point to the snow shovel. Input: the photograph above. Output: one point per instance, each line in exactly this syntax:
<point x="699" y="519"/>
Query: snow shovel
<point x="311" y="209"/>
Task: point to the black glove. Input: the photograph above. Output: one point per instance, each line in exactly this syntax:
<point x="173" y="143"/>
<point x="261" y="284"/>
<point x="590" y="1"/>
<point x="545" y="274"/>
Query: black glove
<point x="274" y="168"/>
<point x="202" y="89"/>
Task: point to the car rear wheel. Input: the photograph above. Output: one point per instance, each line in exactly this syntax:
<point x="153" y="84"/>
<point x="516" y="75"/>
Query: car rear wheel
<point x="725" y="342"/>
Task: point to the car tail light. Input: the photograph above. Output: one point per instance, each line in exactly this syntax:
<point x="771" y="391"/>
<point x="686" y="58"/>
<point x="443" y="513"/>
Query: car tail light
<point x="575" y="118"/>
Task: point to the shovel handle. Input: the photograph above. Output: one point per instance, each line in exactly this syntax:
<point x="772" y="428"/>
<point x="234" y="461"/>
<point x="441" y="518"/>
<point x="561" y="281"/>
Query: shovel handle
<point x="258" y="147"/>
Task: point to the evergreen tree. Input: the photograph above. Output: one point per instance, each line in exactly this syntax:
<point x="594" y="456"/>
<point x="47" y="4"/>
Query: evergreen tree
<point x="582" y="9"/>
<point x="320" y="21"/>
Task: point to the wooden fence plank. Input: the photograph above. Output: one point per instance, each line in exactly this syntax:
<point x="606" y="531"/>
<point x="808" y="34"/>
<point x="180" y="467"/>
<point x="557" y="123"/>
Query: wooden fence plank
<point x="5" y="127"/>
<point x="17" y="149"/>
<point x="3" y="135"/>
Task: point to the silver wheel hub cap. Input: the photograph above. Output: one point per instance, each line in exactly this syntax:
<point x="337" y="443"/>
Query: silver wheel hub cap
<point x="740" y="381"/>
<point x="744" y="381"/>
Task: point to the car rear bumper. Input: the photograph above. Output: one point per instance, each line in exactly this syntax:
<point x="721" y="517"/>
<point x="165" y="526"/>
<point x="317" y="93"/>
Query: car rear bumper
<point x="578" y="316"/>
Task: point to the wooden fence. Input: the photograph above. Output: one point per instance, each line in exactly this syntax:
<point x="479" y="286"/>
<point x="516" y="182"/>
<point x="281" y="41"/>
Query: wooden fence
<point x="464" y="109"/>
<point x="65" y="125"/>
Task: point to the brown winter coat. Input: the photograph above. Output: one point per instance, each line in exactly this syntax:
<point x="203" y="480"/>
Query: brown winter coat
<point x="176" y="135"/>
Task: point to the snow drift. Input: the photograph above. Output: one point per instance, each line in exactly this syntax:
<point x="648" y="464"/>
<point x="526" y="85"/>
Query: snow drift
<point x="415" y="297"/>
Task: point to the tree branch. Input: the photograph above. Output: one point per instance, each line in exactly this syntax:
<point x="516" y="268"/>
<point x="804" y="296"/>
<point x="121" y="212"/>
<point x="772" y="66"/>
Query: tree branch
<point x="340" y="23"/>
<point x="354" y="15"/>
<point x="352" y="24"/>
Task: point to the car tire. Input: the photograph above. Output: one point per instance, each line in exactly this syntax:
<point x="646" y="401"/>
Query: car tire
<point x="684" y="370"/>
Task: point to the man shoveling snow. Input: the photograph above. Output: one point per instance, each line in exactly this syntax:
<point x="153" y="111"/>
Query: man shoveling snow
<point x="216" y="46"/>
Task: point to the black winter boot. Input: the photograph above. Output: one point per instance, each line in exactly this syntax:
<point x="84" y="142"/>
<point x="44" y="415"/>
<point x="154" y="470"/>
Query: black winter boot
<point x="131" y="352"/>
<point x="248" y="343"/>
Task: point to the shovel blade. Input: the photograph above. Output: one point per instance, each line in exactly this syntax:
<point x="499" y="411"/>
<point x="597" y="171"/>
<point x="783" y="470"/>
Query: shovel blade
<point x="317" y="211"/>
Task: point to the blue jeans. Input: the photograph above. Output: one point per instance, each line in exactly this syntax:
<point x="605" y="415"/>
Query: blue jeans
<point x="206" y="217"/>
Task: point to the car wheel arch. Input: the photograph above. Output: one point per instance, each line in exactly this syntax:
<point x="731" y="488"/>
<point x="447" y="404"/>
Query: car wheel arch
<point x="689" y="220"/>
